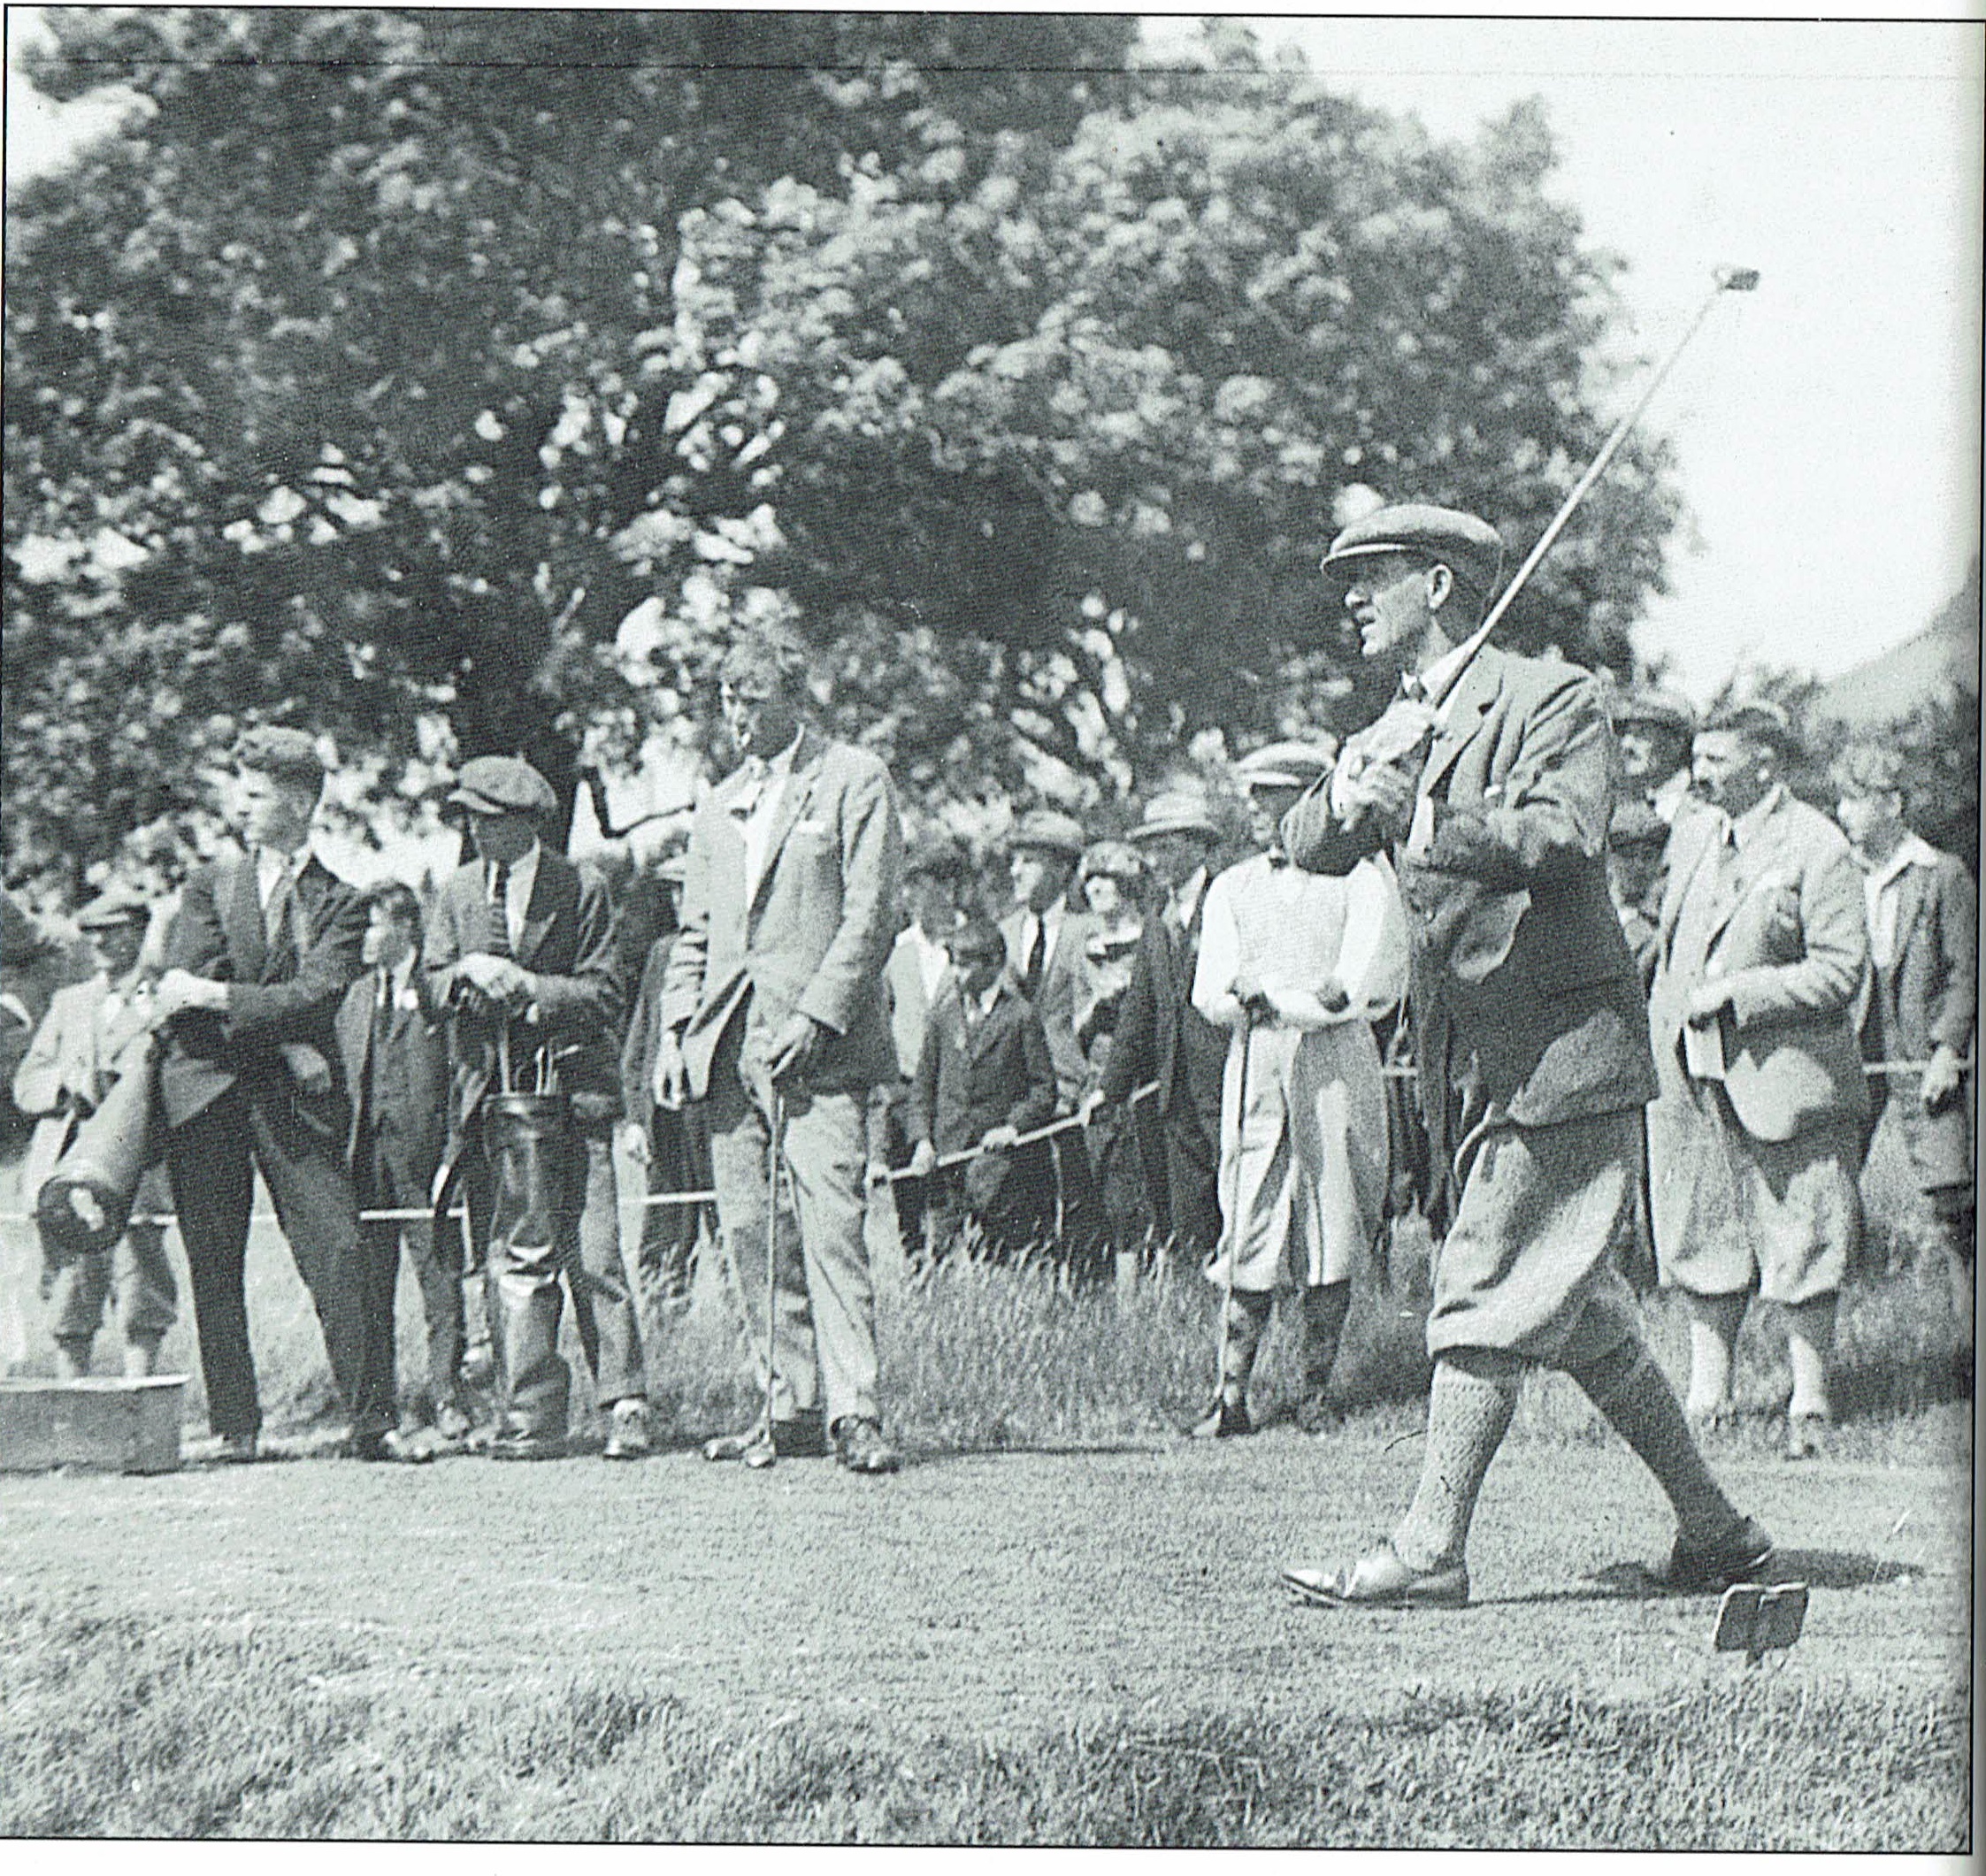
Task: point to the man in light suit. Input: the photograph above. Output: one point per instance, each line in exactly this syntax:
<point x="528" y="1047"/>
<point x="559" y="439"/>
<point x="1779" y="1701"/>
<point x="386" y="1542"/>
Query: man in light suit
<point x="521" y="946"/>
<point x="773" y="1000"/>
<point x="1923" y="995"/>
<point x="258" y="957"/>
<point x="394" y="1049"/>
<point x="1756" y="1139"/>
<point x="1491" y="777"/>
<point x="68" y="1068"/>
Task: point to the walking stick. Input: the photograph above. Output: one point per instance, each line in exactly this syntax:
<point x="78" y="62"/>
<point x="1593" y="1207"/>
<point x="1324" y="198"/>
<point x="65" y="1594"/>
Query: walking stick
<point x="774" y="1147"/>
<point x="1227" y="1223"/>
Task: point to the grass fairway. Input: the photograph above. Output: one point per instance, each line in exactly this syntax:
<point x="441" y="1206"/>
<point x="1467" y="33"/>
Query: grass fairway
<point x="1082" y="1646"/>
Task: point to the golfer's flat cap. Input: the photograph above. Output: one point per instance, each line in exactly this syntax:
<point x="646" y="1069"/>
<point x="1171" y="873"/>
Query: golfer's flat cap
<point x="1635" y="823"/>
<point x="273" y="750"/>
<point x="1176" y="811"/>
<point x="1652" y="703"/>
<point x="1467" y="545"/>
<point x="1053" y="832"/>
<point x="1284" y="765"/>
<point x="936" y="859"/>
<point x="502" y="785"/>
<point x="1111" y="860"/>
<point x="108" y="910"/>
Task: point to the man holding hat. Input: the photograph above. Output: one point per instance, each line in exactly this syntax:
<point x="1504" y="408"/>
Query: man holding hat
<point x="774" y="1012"/>
<point x="258" y="958"/>
<point x="521" y="946"/>
<point x="1923" y="926"/>
<point x="69" y="1066"/>
<point x="1491" y="778"/>
<point x="1162" y="1037"/>
<point x="1047" y="941"/>
<point x="1296" y="966"/>
<point x="1756" y="1141"/>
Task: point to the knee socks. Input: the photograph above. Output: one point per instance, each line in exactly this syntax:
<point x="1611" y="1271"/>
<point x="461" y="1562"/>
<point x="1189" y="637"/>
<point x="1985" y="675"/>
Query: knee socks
<point x="1325" y="1310"/>
<point x="1469" y="1407"/>
<point x="1246" y="1315"/>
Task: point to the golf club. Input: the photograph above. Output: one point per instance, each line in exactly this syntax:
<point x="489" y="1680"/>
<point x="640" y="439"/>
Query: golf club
<point x="1228" y="1231"/>
<point x="775" y="1145"/>
<point x="1728" y="280"/>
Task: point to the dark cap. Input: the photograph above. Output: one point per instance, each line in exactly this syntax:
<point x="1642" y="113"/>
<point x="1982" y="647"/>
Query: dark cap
<point x="1469" y="547"/>
<point x="1758" y="720"/>
<point x="1636" y="824"/>
<point x="1652" y="703"/>
<point x="290" y="755"/>
<point x="1111" y="860"/>
<point x="936" y="859"/>
<point x="108" y="910"/>
<point x="502" y="785"/>
<point x="1045" y="829"/>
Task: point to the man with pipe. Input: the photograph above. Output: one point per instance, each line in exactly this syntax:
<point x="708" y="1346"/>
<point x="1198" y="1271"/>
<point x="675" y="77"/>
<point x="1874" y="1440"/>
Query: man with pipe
<point x="1533" y="1043"/>
<point x="774" y="1011"/>
<point x="520" y="948"/>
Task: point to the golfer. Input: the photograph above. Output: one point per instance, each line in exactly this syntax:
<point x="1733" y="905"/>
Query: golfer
<point x="1491" y="778"/>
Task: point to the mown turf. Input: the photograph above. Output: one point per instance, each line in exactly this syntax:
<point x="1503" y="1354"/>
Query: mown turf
<point x="117" y="1728"/>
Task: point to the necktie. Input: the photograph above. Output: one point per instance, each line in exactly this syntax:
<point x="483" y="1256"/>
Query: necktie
<point x="1036" y="958"/>
<point x="275" y="915"/>
<point x="497" y="938"/>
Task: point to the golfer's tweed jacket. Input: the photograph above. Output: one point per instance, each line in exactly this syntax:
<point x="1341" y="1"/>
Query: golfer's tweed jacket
<point x="1524" y="990"/>
<point x="815" y="932"/>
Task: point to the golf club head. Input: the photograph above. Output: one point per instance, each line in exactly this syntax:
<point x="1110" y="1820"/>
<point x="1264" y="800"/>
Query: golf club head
<point x="1738" y="279"/>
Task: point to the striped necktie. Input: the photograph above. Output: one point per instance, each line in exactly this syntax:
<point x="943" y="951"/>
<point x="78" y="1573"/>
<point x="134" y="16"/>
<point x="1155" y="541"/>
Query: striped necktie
<point x="497" y="938"/>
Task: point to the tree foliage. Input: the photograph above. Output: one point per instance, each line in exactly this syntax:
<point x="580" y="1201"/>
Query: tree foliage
<point x="450" y="381"/>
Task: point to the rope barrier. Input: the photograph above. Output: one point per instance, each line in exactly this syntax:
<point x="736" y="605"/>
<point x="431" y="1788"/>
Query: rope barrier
<point x="1392" y="1071"/>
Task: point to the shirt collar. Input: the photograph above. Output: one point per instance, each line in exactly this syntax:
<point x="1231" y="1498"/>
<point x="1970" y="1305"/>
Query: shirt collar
<point x="1742" y="827"/>
<point x="1432" y="685"/>
<point x="1668" y="800"/>
<point x="990" y="996"/>
<point x="1912" y="850"/>
<point x="522" y="870"/>
<point x="1188" y="901"/>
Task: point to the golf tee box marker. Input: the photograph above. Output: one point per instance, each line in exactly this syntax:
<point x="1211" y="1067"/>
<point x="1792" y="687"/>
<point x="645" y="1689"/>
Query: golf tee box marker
<point x="105" y="1423"/>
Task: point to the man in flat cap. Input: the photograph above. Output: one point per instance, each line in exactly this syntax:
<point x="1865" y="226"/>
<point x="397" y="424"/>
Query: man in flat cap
<point x="1160" y="1037"/>
<point x="1756" y="1141"/>
<point x="77" y="1053"/>
<point x="1296" y="966"/>
<point x="1922" y="1002"/>
<point x="1491" y="778"/>
<point x="1048" y="936"/>
<point x="521" y="946"/>
<point x="917" y="979"/>
<point x="258" y="958"/>
<point x="774" y="1012"/>
<point x="1654" y="726"/>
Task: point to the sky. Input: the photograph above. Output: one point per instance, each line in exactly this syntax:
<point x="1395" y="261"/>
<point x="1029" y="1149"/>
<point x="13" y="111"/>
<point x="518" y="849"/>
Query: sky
<point x="1828" y="425"/>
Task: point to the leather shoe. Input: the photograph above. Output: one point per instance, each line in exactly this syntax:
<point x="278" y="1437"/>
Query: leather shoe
<point x="516" y="1443"/>
<point x="627" y="1432"/>
<point x="859" y="1446"/>
<point x="802" y="1438"/>
<point x="1225" y="1420"/>
<point x="1806" y="1436"/>
<point x="237" y="1448"/>
<point x="451" y="1423"/>
<point x="1380" y="1582"/>
<point x="1732" y="1558"/>
<point x="392" y="1447"/>
<point x="478" y="1364"/>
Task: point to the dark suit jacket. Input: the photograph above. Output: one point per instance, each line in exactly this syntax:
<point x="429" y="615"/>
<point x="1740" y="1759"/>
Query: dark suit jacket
<point x="567" y="944"/>
<point x="1928" y="995"/>
<point x="1789" y="939"/>
<point x="971" y="1078"/>
<point x="273" y="1000"/>
<point x="1160" y="1035"/>
<point x="1064" y="987"/>
<point x="1522" y="980"/>
<point x="815" y="932"/>
<point x="409" y="1116"/>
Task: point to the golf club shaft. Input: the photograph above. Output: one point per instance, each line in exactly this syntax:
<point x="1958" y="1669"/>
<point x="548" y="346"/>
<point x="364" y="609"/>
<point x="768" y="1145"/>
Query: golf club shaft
<point x="1727" y="281"/>
<point x="774" y="1147"/>
<point x="1229" y="1229"/>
